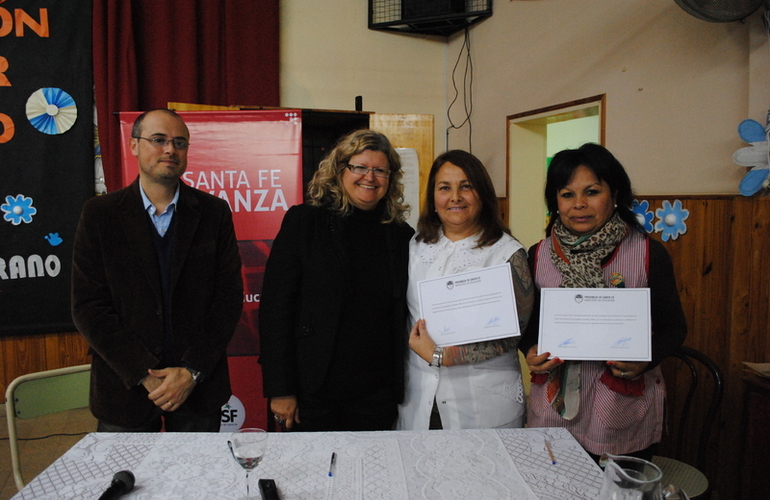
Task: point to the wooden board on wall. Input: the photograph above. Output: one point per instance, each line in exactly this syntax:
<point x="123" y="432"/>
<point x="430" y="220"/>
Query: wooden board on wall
<point x="409" y="131"/>
<point x="27" y="354"/>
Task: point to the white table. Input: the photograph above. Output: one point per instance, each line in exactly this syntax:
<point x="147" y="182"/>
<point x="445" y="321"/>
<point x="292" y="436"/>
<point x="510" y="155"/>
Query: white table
<point x="440" y="465"/>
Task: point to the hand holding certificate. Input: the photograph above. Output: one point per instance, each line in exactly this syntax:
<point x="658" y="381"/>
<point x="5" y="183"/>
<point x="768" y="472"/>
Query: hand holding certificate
<point x="469" y="307"/>
<point x="596" y="324"/>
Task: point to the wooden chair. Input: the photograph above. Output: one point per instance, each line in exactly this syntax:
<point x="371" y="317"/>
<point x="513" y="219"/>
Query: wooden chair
<point x="675" y="471"/>
<point x="42" y="393"/>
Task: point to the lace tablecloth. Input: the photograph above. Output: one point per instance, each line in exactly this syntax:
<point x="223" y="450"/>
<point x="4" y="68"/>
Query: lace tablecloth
<point x="430" y="465"/>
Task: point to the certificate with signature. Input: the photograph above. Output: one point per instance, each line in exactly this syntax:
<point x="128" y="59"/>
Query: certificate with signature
<point x="596" y="324"/>
<point x="469" y="307"/>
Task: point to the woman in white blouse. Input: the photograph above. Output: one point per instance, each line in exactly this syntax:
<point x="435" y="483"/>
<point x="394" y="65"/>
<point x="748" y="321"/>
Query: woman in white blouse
<point x="469" y="386"/>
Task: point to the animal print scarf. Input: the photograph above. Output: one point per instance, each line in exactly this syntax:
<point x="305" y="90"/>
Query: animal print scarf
<point x="579" y="258"/>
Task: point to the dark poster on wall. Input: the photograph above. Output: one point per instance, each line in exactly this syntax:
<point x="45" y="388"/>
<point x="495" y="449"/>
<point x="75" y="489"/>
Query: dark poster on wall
<point x="46" y="157"/>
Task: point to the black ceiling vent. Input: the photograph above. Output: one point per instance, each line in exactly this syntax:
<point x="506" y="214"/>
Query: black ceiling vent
<point x="427" y="17"/>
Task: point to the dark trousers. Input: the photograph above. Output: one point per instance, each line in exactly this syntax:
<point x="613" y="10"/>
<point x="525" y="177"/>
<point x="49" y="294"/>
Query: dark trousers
<point x="181" y="420"/>
<point x="368" y="413"/>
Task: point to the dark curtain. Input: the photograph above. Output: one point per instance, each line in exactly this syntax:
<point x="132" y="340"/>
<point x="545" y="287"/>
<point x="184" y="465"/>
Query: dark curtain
<point x="149" y="53"/>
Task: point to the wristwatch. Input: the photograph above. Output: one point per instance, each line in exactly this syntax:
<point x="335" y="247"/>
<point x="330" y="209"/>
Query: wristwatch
<point x="195" y="374"/>
<point x="438" y="356"/>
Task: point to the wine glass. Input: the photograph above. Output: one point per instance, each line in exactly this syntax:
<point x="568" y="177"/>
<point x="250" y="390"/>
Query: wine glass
<point x="248" y="447"/>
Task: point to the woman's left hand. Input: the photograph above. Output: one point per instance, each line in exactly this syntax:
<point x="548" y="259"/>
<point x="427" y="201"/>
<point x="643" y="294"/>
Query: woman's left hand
<point x="627" y="369"/>
<point x="420" y="341"/>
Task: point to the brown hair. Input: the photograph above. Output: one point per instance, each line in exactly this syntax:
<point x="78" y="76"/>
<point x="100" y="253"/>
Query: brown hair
<point x="490" y="222"/>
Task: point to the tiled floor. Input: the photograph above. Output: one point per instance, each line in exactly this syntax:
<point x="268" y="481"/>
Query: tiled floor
<point x="38" y="454"/>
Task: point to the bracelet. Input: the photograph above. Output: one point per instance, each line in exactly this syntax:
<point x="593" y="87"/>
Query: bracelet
<point x="438" y="356"/>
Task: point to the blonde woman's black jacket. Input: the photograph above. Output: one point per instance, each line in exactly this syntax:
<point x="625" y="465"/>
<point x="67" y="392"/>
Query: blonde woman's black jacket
<point x="302" y="300"/>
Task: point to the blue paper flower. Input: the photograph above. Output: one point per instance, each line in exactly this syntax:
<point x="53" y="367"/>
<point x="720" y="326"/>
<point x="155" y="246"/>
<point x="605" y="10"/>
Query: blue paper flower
<point x="18" y="210"/>
<point x="671" y="220"/>
<point x="643" y="214"/>
<point x="51" y="110"/>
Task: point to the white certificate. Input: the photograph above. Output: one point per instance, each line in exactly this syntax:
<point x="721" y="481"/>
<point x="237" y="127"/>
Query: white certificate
<point x="469" y="307"/>
<point x="596" y="324"/>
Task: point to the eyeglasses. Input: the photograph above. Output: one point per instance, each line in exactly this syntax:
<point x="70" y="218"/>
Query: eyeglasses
<point x="162" y="142"/>
<point x="361" y="170"/>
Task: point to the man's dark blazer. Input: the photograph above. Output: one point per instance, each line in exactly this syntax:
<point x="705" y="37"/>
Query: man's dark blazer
<point x="117" y="305"/>
<point x="303" y="297"/>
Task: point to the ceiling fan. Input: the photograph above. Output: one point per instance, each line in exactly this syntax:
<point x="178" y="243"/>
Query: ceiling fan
<point x="720" y="11"/>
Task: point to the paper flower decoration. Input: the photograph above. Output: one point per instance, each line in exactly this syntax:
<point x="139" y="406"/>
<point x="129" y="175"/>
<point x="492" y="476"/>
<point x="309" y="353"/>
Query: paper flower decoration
<point x="52" y="111"/>
<point x="17" y="210"/>
<point x="756" y="156"/>
<point x="671" y="220"/>
<point x="643" y="214"/>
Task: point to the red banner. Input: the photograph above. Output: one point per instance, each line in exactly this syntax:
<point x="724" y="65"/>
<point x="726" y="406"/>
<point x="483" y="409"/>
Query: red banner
<point x="253" y="160"/>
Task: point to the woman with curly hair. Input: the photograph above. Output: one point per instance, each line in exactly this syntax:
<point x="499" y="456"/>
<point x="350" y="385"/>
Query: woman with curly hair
<point x="333" y="307"/>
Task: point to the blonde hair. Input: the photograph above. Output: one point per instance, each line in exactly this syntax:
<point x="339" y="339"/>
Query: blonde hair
<point x="326" y="189"/>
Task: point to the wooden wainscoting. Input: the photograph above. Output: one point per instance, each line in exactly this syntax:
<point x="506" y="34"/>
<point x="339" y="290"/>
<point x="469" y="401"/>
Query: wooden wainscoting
<point x="34" y="353"/>
<point x="721" y="266"/>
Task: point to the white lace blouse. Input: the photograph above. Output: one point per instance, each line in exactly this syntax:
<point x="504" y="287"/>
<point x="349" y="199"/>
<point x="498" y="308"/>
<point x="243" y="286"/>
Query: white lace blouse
<point x="488" y="394"/>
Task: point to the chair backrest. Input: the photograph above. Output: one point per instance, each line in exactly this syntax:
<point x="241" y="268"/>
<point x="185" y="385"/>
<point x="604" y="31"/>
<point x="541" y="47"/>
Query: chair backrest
<point x="43" y="393"/>
<point x="690" y="357"/>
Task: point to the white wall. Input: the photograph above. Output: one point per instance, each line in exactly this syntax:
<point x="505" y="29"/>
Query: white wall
<point x="328" y="56"/>
<point x="676" y="86"/>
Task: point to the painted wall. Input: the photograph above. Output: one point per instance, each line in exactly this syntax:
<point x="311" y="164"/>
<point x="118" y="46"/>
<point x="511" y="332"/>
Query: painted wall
<point x="676" y="86"/>
<point x="571" y="134"/>
<point x="329" y="56"/>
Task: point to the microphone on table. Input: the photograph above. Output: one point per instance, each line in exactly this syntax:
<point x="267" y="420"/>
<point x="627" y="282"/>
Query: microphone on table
<point x="122" y="482"/>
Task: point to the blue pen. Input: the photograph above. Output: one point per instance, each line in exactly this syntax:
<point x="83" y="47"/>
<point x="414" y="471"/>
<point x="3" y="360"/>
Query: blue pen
<point x="331" y="464"/>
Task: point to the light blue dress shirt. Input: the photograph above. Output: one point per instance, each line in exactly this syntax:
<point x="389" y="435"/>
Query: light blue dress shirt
<point x="160" y="221"/>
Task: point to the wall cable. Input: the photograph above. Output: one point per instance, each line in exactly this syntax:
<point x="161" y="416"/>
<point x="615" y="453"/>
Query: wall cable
<point x="467" y="87"/>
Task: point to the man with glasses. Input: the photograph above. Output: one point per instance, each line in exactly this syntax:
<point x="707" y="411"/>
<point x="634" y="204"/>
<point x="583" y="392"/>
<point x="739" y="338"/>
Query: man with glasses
<point x="157" y="291"/>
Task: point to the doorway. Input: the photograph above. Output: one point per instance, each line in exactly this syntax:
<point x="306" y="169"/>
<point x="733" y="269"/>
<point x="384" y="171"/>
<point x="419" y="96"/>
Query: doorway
<point x="533" y="138"/>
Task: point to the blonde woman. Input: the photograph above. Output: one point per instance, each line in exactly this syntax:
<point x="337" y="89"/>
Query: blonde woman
<point x="333" y="306"/>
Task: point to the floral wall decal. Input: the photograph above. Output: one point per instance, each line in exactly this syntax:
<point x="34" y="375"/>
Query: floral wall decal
<point x="643" y="214"/>
<point x="671" y="220"/>
<point x="17" y="210"/>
